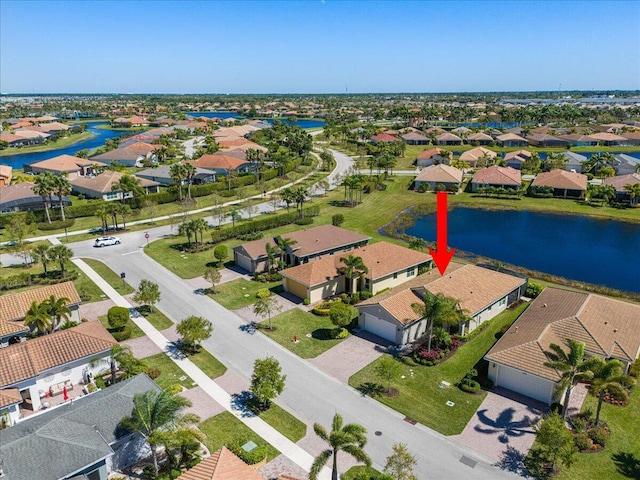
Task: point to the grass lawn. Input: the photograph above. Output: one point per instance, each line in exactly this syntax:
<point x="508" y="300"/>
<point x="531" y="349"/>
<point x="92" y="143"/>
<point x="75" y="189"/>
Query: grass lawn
<point x="358" y="472"/>
<point x="284" y="422"/>
<point x="111" y="277"/>
<point x="421" y="399"/>
<point x="209" y="364"/>
<point x="297" y="322"/>
<point x="241" y="293"/>
<point x="224" y="428"/>
<point x="157" y="318"/>
<point x="170" y="373"/>
<point x="624" y="443"/>
<point x="63" y="142"/>
<point x="135" y="331"/>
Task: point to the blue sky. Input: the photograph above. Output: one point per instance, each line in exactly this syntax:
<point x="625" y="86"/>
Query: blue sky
<point x="317" y="46"/>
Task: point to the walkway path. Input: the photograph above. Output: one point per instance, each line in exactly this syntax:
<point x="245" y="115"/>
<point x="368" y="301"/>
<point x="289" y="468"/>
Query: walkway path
<point x="213" y="390"/>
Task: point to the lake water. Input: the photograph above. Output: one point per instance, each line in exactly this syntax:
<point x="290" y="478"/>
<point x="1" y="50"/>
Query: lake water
<point x="98" y="138"/>
<point x="602" y="252"/>
<point x="302" y="123"/>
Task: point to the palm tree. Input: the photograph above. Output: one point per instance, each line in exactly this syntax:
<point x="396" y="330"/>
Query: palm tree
<point x="438" y="310"/>
<point x="102" y="212"/>
<point x="186" y="229"/>
<point x="353" y="267"/>
<point x="62" y="187"/>
<point x="285" y="244"/>
<point x="57" y="310"/>
<point x="272" y="252"/>
<point x="128" y="184"/>
<point x="178" y="173"/>
<point x="45" y="186"/>
<point x="61" y="254"/>
<point x="37" y="318"/>
<point x="155" y="413"/>
<point x="113" y="209"/>
<point x="634" y="192"/>
<point x="40" y="254"/>
<point x="571" y="366"/>
<point x="350" y="438"/>
<point x="234" y="214"/>
<point x="199" y="225"/>
<point x="189" y="174"/>
<point x="288" y="197"/>
<point x="119" y="352"/>
<point x="607" y="375"/>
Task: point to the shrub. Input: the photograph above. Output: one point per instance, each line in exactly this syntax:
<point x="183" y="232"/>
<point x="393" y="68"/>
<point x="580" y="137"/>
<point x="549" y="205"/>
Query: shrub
<point x="221" y="252"/>
<point x="337" y="219"/>
<point x="55" y="225"/>
<point x="304" y="221"/>
<point x="100" y="382"/>
<point x="471" y="386"/>
<point x="247" y="237"/>
<point x="533" y="290"/>
<point x="118" y="317"/>
<point x="582" y="441"/>
<point x="599" y="435"/>
<point x="579" y="424"/>
<point x="263" y="293"/>
<point x="339" y="333"/>
<point x="251" y="458"/>
<point x="153" y="373"/>
<point x="306" y="301"/>
<point x="365" y="294"/>
<point x="634" y="369"/>
<point x="123" y="334"/>
<point x="174" y="389"/>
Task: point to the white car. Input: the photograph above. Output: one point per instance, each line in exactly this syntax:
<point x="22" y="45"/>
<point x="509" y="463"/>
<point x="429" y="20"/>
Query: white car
<point x="104" y="241"/>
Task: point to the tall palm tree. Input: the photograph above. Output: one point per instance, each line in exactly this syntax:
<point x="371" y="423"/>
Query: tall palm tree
<point x="37" y="318"/>
<point x="186" y="229"/>
<point x="634" y="192"/>
<point x="350" y="438"/>
<point x="118" y="353"/>
<point x="61" y="254"/>
<point x="353" y="267"/>
<point x="57" y="310"/>
<point x="285" y="244"/>
<point x="571" y="366"/>
<point x="437" y="309"/>
<point x="128" y="184"/>
<point x="113" y="210"/>
<point x="189" y="174"/>
<point x="102" y="212"/>
<point x="177" y="173"/>
<point x="272" y="252"/>
<point x="157" y="412"/>
<point x="40" y="254"/>
<point x="199" y="225"/>
<point x="288" y="197"/>
<point x="607" y="375"/>
<point x="62" y="187"/>
<point x="45" y="186"/>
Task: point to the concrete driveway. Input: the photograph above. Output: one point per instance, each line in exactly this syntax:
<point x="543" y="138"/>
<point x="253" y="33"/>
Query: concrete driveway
<point x="502" y="428"/>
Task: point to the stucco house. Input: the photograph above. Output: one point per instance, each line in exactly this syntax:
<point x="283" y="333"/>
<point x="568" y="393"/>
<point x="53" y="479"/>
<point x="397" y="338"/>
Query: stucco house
<point x="448" y="138"/>
<point x="620" y="182"/>
<point x="222" y="163"/>
<point x="434" y="175"/>
<point x="389" y="265"/>
<point x="565" y="184"/>
<point x="415" y="138"/>
<point x="20" y="197"/>
<point x="609" y="139"/>
<point x="162" y="175"/>
<point x="101" y="186"/>
<point x="473" y="156"/>
<point x="517" y="159"/>
<point x="609" y="328"/>
<point x="501" y="177"/>
<point x="68" y="165"/>
<point x="574" y="161"/>
<point x="546" y="140"/>
<point x="426" y="158"/>
<point x="310" y="244"/>
<point x="482" y="292"/>
<point x="479" y="138"/>
<point x="626" y="164"/>
<point x="511" y="140"/>
<point x="77" y="440"/>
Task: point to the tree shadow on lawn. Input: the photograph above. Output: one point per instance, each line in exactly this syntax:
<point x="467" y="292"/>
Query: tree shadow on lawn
<point x="513" y="461"/>
<point x="628" y="464"/>
<point x="322" y="334"/>
<point x="241" y="402"/>
<point x="370" y="389"/>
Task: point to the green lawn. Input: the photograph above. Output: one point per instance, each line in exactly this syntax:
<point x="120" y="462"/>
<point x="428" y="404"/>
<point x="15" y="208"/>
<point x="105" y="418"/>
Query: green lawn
<point x="358" y="473"/>
<point x="63" y="142"/>
<point x="224" y="428"/>
<point x="421" y="399"/>
<point x="170" y="373"/>
<point x="209" y="364"/>
<point x="297" y="322"/>
<point x="616" y="461"/>
<point x="157" y="318"/>
<point x="111" y="277"/>
<point x="241" y="292"/>
<point x="284" y="422"/>
<point x="135" y="330"/>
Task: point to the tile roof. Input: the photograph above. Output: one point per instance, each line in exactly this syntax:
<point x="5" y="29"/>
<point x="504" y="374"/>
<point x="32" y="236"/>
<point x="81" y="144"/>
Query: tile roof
<point x="440" y="173"/>
<point x="65" y="163"/>
<point x="479" y="136"/>
<point x="607" y="137"/>
<point x="220" y="161"/>
<point x="10" y="396"/>
<point x="104" y="181"/>
<point x="383" y="137"/>
<point x="561" y="179"/>
<point x="11" y="328"/>
<point x="510" y="137"/>
<point x="6" y="171"/>
<point x="476" y="153"/>
<point x="381" y="258"/>
<point x="608" y="327"/>
<point x="620" y="182"/>
<point x="447" y="137"/>
<point x="427" y="154"/>
<point x="221" y="465"/>
<point x="497" y="176"/>
<point x="119" y="154"/>
<point x="13" y="306"/>
<point x="415" y="136"/>
<point x="32" y="357"/>
<point x="521" y="155"/>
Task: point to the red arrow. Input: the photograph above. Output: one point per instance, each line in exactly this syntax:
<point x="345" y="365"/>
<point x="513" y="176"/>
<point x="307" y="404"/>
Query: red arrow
<point x="441" y="256"/>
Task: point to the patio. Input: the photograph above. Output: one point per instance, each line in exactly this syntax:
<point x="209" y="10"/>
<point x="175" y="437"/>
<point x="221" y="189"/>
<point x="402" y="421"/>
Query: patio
<point x="51" y="401"/>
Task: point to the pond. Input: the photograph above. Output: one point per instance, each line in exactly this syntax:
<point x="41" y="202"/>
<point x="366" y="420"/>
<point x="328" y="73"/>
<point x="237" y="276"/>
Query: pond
<point x="302" y="122"/>
<point x="602" y="252"/>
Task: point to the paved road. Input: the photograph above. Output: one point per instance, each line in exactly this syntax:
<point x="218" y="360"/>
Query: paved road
<point x="311" y="394"/>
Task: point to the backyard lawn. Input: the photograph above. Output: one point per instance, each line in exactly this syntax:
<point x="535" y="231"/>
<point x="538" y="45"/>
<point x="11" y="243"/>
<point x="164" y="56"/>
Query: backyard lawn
<point x="313" y="332"/>
<point x="241" y="292"/>
<point x="421" y="398"/>
<point x="170" y="373"/>
<point x="224" y="428"/>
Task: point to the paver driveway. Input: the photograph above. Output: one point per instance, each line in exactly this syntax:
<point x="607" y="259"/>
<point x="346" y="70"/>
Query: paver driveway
<point x="502" y="425"/>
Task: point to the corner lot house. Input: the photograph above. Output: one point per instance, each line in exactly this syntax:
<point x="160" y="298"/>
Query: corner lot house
<point x="78" y="440"/>
<point x="565" y="184"/>
<point x="434" y="175"/>
<point x="609" y="328"/>
<point x="311" y="243"/>
<point x="432" y="156"/>
<point x="482" y="292"/>
<point x="389" y="265"/>
<point x="501" y="177"/>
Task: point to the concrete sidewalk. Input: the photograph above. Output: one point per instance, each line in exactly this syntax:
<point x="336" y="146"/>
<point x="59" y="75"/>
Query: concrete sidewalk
<point x="212" y="389"/>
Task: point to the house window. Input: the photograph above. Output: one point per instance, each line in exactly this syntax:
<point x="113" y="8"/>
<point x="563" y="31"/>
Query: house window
<point x="502" y="301"/>
<point x="112" y="195"/>
<point x="395" y="275"/>
<point x="411" y="272"/>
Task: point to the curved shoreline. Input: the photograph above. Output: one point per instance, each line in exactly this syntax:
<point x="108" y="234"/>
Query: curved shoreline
<point x="39" y="149"/>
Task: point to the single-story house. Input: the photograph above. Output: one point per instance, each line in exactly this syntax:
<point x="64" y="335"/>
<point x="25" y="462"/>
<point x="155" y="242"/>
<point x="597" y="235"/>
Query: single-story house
<point x="574" y="161"/>
<point x="222" y="163"/>
<point x="6" y="174"/>
<point x="389" y="265"/>
<point x="633" y="137"/>
<point x="609" y="328"/>
<point x="21" y="140"/>
<point x="482" y="292"/>
<point x="77" y="440"/>
<point x="432" y="156"/>
<point x="435" y="175"/>
<point x="72" y="166"/>
<point x="100" y="186"/>
<point x="546" y="140"/>
<point x="12" y="332"/>
<point x="479" y="138"/>
<point x="311" y="243"/>
<point x="462" y="131"/>
<point x="475" y="154"/>
<point x="502" y="177"/>
<point x="21" y="198"/>
<point x="448" y="138"/>
<point x="609" y="139"/>
<point x="161" y="174"/>
<point x="222" y="464"/>
<point x="241" y="144"/>
<point x="123" y="156"/>
<point x="517" y="159"/>
<point x="579" y="140"/>
<point x="620" y="182"/>
<point x="626" y="164"/>
<point x="565" y="184"/>
<point x="415" y="138"/>
<point x="38" y="366"/>
<point x="511" y="140"/>
<point x="384" y="137"/>
<point x="13" y="306"/>
<point x="133" y="121"/>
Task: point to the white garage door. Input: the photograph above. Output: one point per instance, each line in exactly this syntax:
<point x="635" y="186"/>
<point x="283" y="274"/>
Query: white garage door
<point x="525" y="384"/>
<point x="379" y="327"/>
<point x="242" y="261"/>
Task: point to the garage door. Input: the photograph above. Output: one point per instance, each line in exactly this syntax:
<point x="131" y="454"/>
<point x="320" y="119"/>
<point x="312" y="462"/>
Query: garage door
<point x="525" y="384"/>
<point x="379" y="327"/>
<point x="242" y="261"/>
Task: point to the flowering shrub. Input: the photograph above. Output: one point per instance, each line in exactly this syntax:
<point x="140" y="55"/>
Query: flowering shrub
<point x="429" y="355"/>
